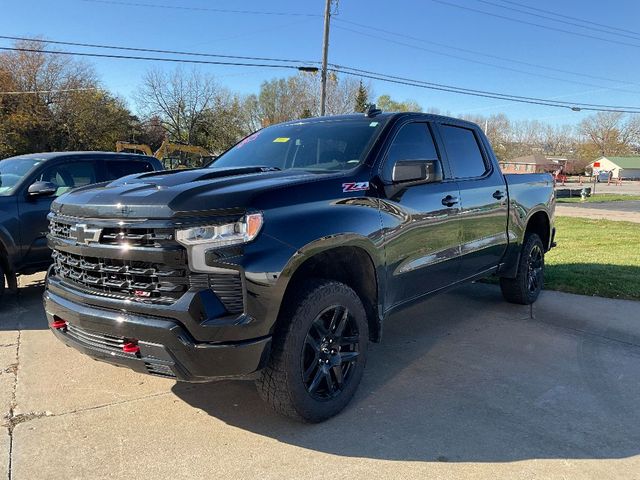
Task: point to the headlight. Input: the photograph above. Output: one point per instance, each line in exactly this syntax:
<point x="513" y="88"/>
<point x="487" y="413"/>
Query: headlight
<point x="242" y="231"/>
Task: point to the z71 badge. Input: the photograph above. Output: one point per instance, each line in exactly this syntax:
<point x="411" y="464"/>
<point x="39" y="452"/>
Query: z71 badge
<point x="355" y="186"/>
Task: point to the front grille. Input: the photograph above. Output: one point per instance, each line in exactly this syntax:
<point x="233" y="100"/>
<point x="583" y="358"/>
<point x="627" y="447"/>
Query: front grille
<point x="137" y="237"/>
<point x="59" y="229"/>
<point x="142" y="280"/>
<point x="95" y="339"/>
<point x="145" y="282"/>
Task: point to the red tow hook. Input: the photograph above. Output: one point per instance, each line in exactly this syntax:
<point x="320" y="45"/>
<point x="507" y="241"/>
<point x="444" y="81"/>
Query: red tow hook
<point x="58" y="324"/>
<point x="131" y="347"/>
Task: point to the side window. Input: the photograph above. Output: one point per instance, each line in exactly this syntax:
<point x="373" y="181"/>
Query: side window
<point x="463" y="152"/>
<point x="412" y="142"/>
<point x="121" y="168"/>
<point x="70" y="175"/>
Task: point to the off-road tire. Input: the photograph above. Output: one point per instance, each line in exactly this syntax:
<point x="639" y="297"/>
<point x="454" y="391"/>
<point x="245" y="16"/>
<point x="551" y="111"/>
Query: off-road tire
<point x="523" y="289"/>
<point x="281" y="383"/>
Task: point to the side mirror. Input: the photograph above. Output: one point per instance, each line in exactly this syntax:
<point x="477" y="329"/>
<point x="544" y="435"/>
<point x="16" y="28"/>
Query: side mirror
<point x="42" y="189"/>
<point x="417" y="171"/>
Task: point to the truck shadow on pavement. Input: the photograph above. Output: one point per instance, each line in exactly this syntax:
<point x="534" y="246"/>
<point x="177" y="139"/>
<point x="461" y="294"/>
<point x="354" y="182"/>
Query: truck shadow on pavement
<point x="466" y="377"/>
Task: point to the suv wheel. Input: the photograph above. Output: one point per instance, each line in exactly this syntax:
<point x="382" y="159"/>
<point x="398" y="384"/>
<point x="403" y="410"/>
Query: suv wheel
<point x="318" y="357"/>
<point x="526" y="287"/>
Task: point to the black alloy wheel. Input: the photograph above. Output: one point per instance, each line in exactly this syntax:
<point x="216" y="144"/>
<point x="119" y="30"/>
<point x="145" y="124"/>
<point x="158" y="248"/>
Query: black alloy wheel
<point x="330" y="350"/>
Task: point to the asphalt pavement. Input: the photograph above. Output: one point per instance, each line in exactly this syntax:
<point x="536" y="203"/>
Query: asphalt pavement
<point x="463" y="385"/>
<point x="625" y="210"/>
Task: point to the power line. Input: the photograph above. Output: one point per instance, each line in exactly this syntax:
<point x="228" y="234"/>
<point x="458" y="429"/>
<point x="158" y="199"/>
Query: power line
<point x="364" y="74"/>
<point x="501" y="67"/>
<point x="155" y="59"/>
<point x="546" y="17"/>
<point x="202" y="9"/>
<point x="525" y="22"/>
<point x="153" y="50"/>
<point x="481" y="93"/>
<point x="571" y="18"/>
<point x="476" y="52"/>
<point x="62" y="90"/>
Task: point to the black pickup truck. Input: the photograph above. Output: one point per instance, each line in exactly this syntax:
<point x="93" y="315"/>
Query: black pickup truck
<point x="283" y="259"/>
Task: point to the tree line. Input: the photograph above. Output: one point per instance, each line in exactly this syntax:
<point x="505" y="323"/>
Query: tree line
<point x="53" y="102"/>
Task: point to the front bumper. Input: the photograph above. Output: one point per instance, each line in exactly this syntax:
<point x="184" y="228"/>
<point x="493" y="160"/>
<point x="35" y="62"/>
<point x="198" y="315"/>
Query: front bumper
<point x="166" y="348"/>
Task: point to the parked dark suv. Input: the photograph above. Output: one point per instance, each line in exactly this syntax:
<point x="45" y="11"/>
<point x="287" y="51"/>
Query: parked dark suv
<point x="28" y="185"/>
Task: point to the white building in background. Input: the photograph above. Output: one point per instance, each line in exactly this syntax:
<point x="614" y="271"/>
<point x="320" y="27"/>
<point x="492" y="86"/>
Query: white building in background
<point x="627" y="168"/>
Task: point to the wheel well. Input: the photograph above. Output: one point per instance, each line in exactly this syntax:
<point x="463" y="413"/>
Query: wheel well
<point x="349" y="265"/>
<point x="539" y="223"/>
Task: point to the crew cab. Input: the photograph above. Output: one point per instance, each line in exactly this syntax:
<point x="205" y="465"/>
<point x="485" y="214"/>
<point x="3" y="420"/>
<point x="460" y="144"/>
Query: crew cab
<point x="28" y="185"/>
<point x="282" y="260"/>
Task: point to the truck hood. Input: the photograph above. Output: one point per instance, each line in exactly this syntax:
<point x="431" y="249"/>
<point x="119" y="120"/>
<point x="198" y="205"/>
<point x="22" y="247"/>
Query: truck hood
<point x="172" y="193"/>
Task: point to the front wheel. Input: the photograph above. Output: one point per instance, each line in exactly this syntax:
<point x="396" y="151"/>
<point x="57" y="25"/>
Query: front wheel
<point x="318" y="354"/>
<point x="526" y="287"/>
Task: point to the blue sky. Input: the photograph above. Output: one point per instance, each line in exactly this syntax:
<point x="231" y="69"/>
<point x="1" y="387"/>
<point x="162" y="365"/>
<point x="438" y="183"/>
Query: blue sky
<point x="300" y="37"/>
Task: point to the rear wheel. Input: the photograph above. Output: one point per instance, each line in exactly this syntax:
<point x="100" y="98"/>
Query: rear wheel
<point x="526" y="287"/>
<point x="318" y="357"/>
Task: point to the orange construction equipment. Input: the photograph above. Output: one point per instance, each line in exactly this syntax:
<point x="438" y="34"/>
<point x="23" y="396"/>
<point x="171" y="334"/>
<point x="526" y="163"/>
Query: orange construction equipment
<point x="166" y="154"/>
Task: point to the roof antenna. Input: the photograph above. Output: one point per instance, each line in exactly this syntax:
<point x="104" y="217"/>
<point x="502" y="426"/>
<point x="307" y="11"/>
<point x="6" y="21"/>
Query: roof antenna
<point x="372" y="110"/>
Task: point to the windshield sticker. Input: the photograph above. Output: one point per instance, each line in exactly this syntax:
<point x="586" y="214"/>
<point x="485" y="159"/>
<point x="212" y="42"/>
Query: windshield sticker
<point x="355" y="186"/>
<point x="373" y="124"/>
<point x="250" y="138"/>
<point x="281" y="140"/>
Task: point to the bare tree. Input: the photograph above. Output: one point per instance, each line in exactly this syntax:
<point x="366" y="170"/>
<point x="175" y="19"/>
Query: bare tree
<point x="610" y="133"/>
<point x="178" y="99"/>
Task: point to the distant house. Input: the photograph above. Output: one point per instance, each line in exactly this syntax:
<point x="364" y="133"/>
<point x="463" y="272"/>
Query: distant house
<point x="621" y="167"/>
<point x="531" y="164"/>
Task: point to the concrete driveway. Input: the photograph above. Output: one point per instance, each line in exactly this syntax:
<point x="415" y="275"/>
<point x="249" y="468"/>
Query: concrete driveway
<point x="463" y="386"/>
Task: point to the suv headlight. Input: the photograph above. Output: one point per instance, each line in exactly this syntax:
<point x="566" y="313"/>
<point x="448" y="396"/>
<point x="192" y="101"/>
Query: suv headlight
<point x="213" y="236"/>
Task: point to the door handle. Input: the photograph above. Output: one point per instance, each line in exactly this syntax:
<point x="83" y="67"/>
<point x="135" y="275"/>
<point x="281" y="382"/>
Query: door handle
<point x="449" y="201"/>
<point x="498" y="194"/>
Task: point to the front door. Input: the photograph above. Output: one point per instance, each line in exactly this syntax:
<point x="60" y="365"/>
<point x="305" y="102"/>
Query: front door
<point x="421" y="223"/>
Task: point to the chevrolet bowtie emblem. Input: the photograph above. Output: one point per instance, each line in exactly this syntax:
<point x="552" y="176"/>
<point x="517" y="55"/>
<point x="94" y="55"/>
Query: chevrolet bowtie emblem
<point x="81" y="233"/>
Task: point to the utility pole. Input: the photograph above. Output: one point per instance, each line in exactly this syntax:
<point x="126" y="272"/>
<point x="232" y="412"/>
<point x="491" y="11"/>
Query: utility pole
<point x="325" y="52"/>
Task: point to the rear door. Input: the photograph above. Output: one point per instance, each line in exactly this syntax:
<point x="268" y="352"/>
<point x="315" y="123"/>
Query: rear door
<point x="33" y="212"/>
<point x="483" y="197"/>
<point x="421" y="222"/>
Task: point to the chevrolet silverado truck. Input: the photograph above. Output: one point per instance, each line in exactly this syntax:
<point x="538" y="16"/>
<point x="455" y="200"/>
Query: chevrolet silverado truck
<point x="281" y="261"/>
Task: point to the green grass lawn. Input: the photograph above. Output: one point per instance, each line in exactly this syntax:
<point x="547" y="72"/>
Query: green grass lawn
<point x="600" y="198"/>
<point x="595" y="257"/>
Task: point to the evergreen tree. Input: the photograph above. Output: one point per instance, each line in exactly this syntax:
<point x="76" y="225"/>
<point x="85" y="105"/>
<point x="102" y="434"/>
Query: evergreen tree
<point x="362" y="98"/>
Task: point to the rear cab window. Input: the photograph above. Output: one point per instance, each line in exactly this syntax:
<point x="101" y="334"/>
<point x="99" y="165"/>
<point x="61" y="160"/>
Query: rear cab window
<point x="463" y="152"/>
<point x="121" y="168"/>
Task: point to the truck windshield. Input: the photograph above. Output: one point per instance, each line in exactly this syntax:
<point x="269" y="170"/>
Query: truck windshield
<point x="12" y="170"/>
<point x="322" y="146"/>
